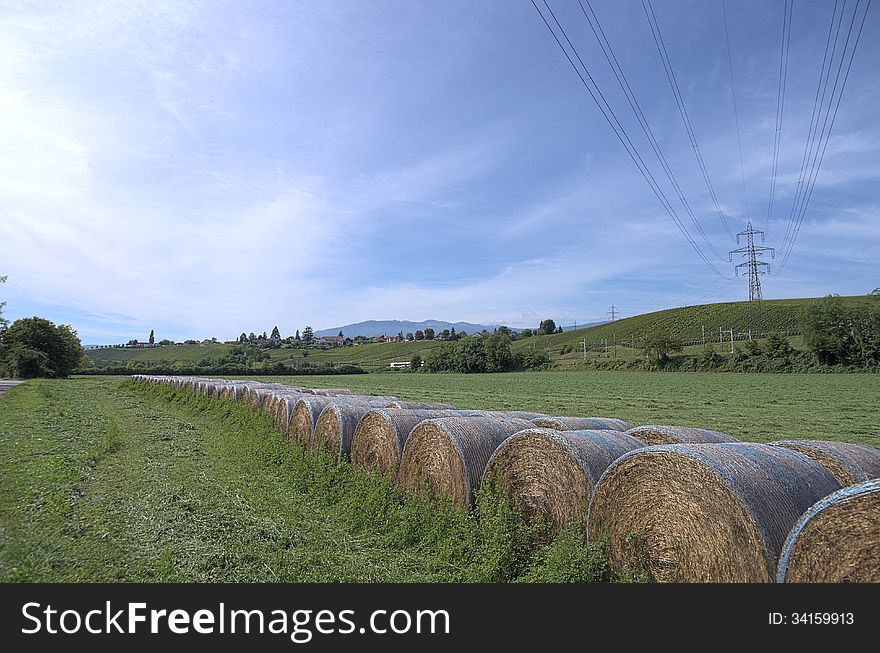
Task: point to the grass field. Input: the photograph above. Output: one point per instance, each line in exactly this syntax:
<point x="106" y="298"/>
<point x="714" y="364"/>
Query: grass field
<point x="753" y="407"/>
<point x="107" y="481"/>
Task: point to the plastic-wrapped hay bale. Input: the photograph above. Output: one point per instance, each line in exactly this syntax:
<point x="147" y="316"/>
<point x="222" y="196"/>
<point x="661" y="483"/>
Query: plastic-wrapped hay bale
<point x="552" y="474"/>
<point x="331" y="392"/>
<point x="655" y="434"/>
<point x="850" y="463"/>
<point x="448" y="455"/>
<point x="308" y="409"/>
<point x="582" y="423"/>
<point x="336" y="425"/>
<point x="282" y="412"/>
<point x="837" y="540"/>
<point x="705" y="512"/>
<point x="382" y="433"/>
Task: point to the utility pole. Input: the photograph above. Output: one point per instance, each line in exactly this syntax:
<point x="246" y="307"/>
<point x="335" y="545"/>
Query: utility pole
<point x="704" y="336"/>
<point x="585" y="349"/>
<point x="752" y="254"/>
<point x="613" y="313"/>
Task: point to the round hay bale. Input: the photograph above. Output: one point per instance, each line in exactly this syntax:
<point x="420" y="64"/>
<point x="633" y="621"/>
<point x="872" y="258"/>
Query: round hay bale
<point x="705" y="512"/>
<point x="837" y="540"/>
<point x="336" y="426"/>
<point x="284" y="405"/>
<point x="382" y="433"/>
<point x="308" y="408"/>
<point x="448" y="455"/>
<point x="551" y="474"/>
<point x="653" y="434"/>
<point x="582" y="423"/>
<point x="849" y="463"/>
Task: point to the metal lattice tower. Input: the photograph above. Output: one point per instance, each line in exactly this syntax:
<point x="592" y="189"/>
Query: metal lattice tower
<point x="752" y="254"/>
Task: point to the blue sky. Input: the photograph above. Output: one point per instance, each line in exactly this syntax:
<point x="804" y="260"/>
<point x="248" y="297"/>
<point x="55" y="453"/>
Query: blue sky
<point x="204" y="168"/>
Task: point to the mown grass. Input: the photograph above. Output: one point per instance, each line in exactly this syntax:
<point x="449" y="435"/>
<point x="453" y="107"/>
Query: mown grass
<point x="111" y="481"/>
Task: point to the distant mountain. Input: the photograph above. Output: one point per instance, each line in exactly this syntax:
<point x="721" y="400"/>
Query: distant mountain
<point x="393" y="327"/>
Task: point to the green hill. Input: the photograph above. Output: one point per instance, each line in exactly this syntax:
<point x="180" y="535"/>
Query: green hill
<point x="685" y="324"/>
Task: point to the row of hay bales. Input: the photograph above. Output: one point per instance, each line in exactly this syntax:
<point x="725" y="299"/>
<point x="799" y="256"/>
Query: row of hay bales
<point x="691" y="504"/>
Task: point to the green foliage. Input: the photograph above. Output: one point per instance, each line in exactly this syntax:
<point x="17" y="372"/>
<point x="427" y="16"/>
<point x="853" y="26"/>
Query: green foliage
<point x="308" y="335"/>
<point x="420" y="335"/>
<point x="841" y="333"/>
<point x="415" y="363"/>
<point x="658" y="346"/>
<point x="547" y="327"/>
<point x="429" y="333"/>
<point x="35" y="347"/>
<point x="276" y="334"/>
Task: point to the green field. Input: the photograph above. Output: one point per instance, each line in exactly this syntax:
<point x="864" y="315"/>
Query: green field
<point x="753" y="407"/>
<point x="622" y="338"/>
<point x="104" y="480"/>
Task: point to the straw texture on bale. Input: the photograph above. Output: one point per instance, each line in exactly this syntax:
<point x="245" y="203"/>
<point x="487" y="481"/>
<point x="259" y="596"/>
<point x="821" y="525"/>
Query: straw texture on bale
<point x="837" y="540"/>
<point x="654" y="434"/>
<point x="308" y="408"/>
<point x="706" y="512"/>
<point x="382" y="433"/>
<point x="336" y="426"/>
<point x="551" y="474"/>
<point x="850" y="463"/>
<point x="582" y="423"/>
<point x="448" y="455"/>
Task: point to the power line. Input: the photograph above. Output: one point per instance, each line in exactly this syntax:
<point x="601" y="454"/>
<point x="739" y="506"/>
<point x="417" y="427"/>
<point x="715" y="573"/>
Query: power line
<point x="815" y="116"/>
<point x="780" y="104"/>
<point x="824" y="135"/>
<point x="742" y="168"/>
<point x="676" y="92"/>
<point x="623" y="82"/>
<point x="618" y="129"/>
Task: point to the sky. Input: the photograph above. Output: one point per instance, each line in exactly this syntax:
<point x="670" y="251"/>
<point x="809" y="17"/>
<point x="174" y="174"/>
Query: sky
<point x="208" y="168"/>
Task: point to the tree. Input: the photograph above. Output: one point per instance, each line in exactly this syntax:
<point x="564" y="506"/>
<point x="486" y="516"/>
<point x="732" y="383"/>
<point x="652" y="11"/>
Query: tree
<point x="339" y="335"/>
<point x="525" y="333"/>
<point x="559" y="329"/>
<point x="400" y="336"/>
<point x="296" y="337"/>
<point x="420" y="335"/>
<point x="243" y="338"/>
<point x="410" y="336"/>
<point x="429" y="333"/>
<point x="415" y="363"/>
<point x="308" y="335"/>
<point x="445" y="334"/>
<point x="252" y="337"/>
<point x="658" y="346"/>
<point x="35" y="347"/>
<point x="133" y="341"/>
<point x="499" y="357"/>
<point x="166" y="342"/>
<point x="264" y="336"/>
<point x="276" y="334"/>
<point x="843" y="334"/>
<point x="452" y="335"/>
<point x="547" y="327"/>
<point x="152" y="338"/>
<point x="470" y="356"/>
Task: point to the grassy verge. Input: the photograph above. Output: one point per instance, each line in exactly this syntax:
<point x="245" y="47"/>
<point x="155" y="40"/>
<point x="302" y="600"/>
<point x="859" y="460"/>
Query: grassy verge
<point x="109" y="481"/>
